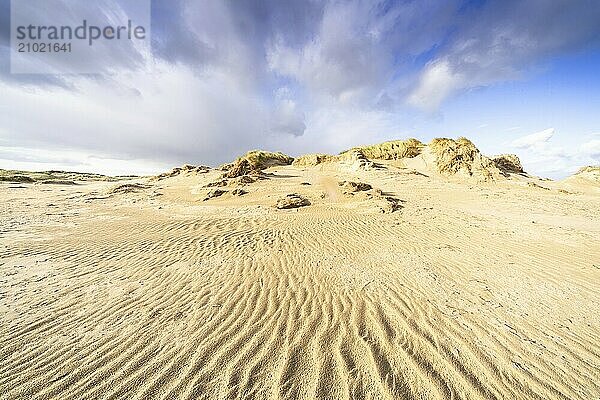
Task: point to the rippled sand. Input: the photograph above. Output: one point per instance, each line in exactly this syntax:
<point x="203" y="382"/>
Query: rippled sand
<point x="487" y="291"/>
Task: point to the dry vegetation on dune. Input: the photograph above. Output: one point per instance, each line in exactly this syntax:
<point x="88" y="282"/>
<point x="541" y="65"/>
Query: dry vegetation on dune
<point x="594" y="169"/>
<point x="508" y="163"/>
<point x="254" y="162"/>
<point x="393" y="150"/>
<point x="259" y="159"/>
<point x="460" y="156"/>
<point x="309" y="160"/>
<point x="185" y="170"/>
<point x="452" y="157"/>
<point x="129" y="188"/>
<point x="591" y="173"/>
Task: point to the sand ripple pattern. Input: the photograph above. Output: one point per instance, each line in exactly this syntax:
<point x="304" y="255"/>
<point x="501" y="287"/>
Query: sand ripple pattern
<point x="278" y="307"/>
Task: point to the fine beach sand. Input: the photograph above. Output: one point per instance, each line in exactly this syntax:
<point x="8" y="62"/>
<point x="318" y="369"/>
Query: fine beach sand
<point x="468" y="290"/>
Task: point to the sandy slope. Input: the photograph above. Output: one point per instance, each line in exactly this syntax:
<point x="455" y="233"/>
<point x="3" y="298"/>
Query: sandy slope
<point x="469" y="291"/>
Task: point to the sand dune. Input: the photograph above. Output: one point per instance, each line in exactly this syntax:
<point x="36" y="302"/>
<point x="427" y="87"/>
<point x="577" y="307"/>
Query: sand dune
<point x="142" y="290"/>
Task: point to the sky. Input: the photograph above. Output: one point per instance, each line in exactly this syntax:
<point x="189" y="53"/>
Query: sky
<point x="222" y="77"/>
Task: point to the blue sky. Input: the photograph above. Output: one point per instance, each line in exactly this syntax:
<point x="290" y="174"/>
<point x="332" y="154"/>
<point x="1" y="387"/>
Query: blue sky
<point x="227" y="76"/>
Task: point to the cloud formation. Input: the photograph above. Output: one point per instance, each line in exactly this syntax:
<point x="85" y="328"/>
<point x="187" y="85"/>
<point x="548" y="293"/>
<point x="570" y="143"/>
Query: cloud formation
<point x="547" y="157"/>
<point x="229" y="76"/>
<point x="534" y="140"/>
<point x="502" y="41"/>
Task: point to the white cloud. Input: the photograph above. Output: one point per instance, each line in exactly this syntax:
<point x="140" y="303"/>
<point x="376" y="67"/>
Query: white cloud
<point x="534" y="139"/>
<point x="503" y="41"/>
<point x="32" y="159"/>
<point x="287" y="119"/>
<point x="171" y="114"/>
<point x="541" y="153"/>
<point x="344" y="59"/>
<point x="591" y="149"/>
<point x="437" y="82"/>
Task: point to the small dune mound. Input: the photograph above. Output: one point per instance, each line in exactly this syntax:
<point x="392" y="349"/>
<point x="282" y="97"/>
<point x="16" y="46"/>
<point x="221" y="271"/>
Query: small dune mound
<point x="462" y="157"/>
<point x="357" y="160"/>
<point x="58" y="182"/>
<point x="199" y="169"/>
<point x="243" y="180"/>
<point x="293" y="200"/>
<point x="129" y="188"/>
<point x="56" y="176"/>
<point x="214" y="194"/>
<point x="310" y="160"/>
<point x="266" y="159"/>
<point x="219" y="183"/>
<point x="388" y="204"/>
<point x="508" y="163"/>
<point x="354" y="187"/>
<point x="254" y="162"/>
<point x="590" y="173"/>
<point x="382" y="202"/>
<point x="239" y="168"/>
<point x="536" y="186"/>
<point x="393" y="150"/>
<point x="17" y="179"/>
<point x="187" y="169"/>
<point x="563" y="191"/>
<point x="239" y="192"/>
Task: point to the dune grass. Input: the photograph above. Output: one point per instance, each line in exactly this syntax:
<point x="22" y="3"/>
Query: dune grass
<point x="260" y="159"/>
<point x="454" y="155"/>
<point x="461" y="156"/>
<point x="308" y="160"/>
<point x="393" y="150"/>
<point x="255" y="161"/>
<point x="508" y="163"/>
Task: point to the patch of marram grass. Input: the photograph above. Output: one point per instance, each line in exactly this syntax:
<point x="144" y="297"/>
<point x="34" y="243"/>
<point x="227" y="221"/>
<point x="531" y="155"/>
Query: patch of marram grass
<point x="453" y="155"/>
<point x="129" y="188"/>
<point x="508" y="163"/>
<point x="187" y="169"/>
<point x="254" y="162"/>
<point x="16" y="178"/>
<point x="461" y="156"/>
<point x="260" y="159"/>
<point x="309" y="160"/>
<point x="393" y="150"/>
